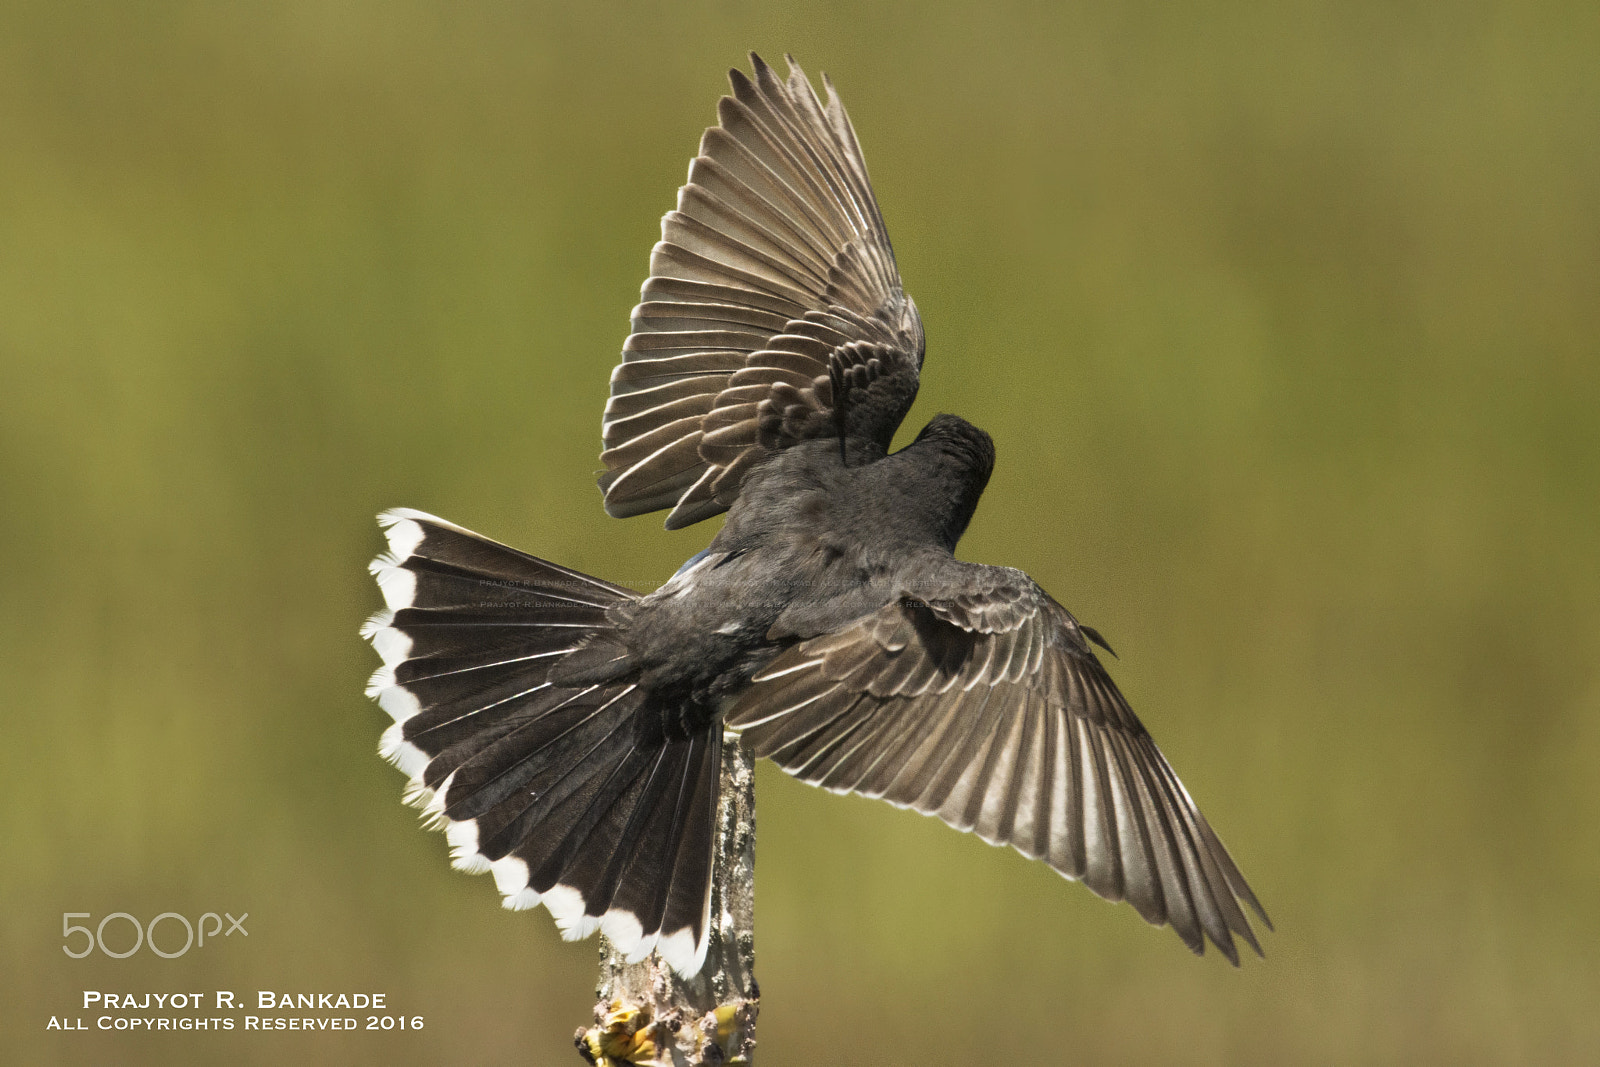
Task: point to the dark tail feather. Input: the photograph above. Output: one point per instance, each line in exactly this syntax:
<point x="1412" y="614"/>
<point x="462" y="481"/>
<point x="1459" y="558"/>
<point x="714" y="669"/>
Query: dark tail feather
<point x="570" y="795"/>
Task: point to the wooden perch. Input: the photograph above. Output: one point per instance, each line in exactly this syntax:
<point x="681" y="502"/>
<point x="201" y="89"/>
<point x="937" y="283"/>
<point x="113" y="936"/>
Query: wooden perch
<point x="647" y="1014"/>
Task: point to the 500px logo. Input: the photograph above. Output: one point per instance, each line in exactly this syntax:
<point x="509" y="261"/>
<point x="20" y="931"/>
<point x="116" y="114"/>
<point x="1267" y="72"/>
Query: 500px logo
<point x="146" y="935"/>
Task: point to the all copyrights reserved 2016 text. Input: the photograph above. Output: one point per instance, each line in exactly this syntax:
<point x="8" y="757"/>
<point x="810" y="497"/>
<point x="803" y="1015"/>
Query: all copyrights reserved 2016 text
<point x="225" y="1010"/>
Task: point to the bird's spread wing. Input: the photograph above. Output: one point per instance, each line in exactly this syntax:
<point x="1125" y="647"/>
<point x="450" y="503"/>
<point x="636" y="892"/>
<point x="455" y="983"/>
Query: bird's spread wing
<point x="980" y="701"/>
<point x="773" y="312"/>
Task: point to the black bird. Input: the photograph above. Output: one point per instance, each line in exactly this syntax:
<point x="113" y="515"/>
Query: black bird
<point x="566" y="732"/>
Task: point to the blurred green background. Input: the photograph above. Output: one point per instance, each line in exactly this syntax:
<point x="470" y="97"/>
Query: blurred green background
<point x="1285" y="318"/>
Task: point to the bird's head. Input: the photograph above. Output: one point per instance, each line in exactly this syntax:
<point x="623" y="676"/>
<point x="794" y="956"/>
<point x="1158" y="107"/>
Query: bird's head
<point x="966" y="458"/>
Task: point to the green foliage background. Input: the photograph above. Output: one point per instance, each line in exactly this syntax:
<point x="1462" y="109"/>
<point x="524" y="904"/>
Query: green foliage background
<point x="1285" y="320"/>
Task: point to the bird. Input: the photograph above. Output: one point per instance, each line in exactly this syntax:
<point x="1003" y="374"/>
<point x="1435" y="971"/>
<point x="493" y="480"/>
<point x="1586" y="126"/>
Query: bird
<point x="566" y="733"/>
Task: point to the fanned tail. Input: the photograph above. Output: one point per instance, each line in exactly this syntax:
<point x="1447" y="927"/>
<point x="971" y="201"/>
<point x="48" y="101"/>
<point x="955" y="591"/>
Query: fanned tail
<point x="573" y="797"/>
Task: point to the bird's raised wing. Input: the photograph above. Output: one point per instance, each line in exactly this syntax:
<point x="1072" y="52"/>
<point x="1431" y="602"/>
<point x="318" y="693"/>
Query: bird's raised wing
<point x="773" y="312"/>
<point x="981" y="702"/>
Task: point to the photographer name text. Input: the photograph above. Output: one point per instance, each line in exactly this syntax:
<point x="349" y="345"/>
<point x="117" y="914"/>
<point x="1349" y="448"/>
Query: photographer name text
<point x="203" y="1012"/>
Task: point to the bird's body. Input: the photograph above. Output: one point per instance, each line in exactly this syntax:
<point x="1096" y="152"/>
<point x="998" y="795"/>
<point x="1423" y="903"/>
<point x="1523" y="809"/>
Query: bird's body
<point x="566" y="732"/>
<point x="813" y="543"/>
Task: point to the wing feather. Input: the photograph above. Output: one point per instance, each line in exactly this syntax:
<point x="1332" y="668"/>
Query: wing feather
<point x="977" y="699"/>
<point x="771" y="272"/>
